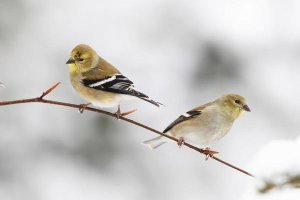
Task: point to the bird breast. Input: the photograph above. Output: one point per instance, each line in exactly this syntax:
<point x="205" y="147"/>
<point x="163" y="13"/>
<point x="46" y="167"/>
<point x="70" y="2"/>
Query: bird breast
<point x="205" y="129"/>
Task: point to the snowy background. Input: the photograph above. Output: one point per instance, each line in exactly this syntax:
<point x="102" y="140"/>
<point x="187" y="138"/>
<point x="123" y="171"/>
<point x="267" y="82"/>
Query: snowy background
<point x="181" y="53"/>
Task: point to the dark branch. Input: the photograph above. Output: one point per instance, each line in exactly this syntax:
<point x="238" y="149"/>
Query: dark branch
<point x="41" y="99"/>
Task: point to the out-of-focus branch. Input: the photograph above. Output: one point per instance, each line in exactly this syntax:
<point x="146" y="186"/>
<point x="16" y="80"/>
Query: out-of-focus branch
<point x="288" y="181"/>
<point x="41" y="99"/>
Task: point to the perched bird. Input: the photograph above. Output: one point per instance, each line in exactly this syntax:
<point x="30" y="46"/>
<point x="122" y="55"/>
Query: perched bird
<point x="99" y="82"/>
<point x="205" y="124"/>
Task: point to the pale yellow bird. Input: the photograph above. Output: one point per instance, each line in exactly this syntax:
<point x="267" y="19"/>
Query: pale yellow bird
<point x="205" y="124"/>
<point x="99" y="82"/>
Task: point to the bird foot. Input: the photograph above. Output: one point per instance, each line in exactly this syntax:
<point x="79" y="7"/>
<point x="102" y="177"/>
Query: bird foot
<point x="180" y="142"/>
<point x="82" y="107"/>
<point x="209" y="153"/>
<point x="119" y="114"/>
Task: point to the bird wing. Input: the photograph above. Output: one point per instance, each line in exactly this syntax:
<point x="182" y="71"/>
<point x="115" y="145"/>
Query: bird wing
<point x="119" y="84"/>
<point x="188" y="115"/>
<point x="116" y="84"/>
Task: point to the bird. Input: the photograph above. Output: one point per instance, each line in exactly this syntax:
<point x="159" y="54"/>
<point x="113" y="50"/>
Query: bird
<point x="99" y="82"/>
<point x="205" y="124"/>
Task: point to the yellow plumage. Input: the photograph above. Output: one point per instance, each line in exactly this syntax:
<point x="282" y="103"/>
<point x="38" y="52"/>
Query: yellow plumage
<point x="98" y="81"/>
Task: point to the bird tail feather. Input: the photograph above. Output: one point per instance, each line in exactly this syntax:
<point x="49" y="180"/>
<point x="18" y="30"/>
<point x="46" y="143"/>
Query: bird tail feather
<point x="155" y="142"/>
<point x="151" y="101"/>
<point x="145" y="97"/>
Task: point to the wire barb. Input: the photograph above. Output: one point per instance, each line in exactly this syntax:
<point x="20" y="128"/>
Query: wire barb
<point x="65" y="104"/>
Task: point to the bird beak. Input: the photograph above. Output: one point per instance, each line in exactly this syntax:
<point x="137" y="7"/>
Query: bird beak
<point x="70" y="61"/>
<point x="246" y="108"/>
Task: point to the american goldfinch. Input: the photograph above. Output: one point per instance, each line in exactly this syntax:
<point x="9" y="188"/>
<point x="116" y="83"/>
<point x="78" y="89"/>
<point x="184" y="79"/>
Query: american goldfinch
<point x="205" y="124"/>
<point x="99" y="82"/>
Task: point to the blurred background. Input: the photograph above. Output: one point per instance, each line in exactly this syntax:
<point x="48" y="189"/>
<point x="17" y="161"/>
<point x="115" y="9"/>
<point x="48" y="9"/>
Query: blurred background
<point x="181" y="53"/>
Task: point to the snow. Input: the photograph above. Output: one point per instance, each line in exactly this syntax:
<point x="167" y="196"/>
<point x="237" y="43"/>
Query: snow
<point x="275" y="164"/>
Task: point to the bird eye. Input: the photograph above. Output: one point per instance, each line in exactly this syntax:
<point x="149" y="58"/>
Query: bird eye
<point x="80" y="59"/>
<point x="237" y="101"/>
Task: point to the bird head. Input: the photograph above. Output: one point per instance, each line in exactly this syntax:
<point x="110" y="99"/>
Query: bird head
<point x="82" y="58"/>
<point x="233" y="105"/>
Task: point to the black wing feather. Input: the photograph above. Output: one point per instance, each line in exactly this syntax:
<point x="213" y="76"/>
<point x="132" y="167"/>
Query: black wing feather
<point x="117" y="84"/>
<point x="190" y="114"/>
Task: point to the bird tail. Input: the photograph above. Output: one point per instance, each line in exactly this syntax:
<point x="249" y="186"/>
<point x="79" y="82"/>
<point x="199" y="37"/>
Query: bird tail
<point x="151" y="101"/>
<point x="144" y="97"/>
<point x="155" y="142"/>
